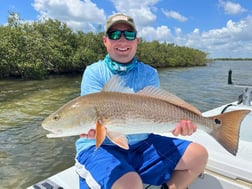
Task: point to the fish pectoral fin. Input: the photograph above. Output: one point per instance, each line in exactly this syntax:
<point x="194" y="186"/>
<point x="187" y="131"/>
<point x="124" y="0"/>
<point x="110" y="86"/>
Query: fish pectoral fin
<point x="119" y="139"/>
<point x="100" y="133"/>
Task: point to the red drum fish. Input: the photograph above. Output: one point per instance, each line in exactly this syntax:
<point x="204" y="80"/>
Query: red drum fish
<point x="117" y="111"/>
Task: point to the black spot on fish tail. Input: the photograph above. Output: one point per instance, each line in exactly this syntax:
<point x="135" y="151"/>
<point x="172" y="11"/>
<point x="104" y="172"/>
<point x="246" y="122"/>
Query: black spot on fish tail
<point x="217" y="121"/>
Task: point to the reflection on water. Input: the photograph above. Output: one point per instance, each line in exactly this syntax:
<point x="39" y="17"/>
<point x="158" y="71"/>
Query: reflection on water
<point x="27" y="156"/>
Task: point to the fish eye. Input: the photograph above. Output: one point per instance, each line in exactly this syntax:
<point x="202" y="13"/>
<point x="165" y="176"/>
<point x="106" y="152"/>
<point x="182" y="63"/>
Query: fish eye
<point x="56" y="117"/>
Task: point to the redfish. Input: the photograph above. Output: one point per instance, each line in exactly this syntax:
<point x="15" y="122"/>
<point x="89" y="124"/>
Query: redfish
<point x="117" y="111"/>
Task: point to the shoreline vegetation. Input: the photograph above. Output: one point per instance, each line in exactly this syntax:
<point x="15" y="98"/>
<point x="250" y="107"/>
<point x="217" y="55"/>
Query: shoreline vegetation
<point x="36" y="50"/>
<point x="233" y="59"/>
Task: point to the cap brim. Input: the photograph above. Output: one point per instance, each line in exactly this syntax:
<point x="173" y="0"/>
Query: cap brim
<point x="121" y="22"/>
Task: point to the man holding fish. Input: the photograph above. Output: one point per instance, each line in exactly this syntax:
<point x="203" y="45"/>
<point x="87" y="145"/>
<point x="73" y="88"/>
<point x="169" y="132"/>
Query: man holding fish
<point x="146" y="158"/>
<point x="120" y="107"/>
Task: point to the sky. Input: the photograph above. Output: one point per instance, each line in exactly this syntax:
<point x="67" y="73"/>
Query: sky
<point x="221" y="28"/>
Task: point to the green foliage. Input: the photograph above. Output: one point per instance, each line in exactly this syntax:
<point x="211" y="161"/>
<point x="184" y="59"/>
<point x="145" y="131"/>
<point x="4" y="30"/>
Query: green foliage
<point x="169" y="55"/>
<point x="35" y="50"/>
<point x="90" y="48"/>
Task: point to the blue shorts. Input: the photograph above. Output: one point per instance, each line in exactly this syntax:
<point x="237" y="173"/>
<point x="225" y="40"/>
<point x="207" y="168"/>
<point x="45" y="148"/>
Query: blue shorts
<point x="154" y="159"/>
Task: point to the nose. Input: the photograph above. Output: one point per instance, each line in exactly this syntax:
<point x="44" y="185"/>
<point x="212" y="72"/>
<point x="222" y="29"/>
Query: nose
<point x="122" y="38"/>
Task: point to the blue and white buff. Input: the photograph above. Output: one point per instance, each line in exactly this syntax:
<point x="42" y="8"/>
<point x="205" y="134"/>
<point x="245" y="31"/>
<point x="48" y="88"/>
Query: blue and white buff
<point x="119" y="68"/>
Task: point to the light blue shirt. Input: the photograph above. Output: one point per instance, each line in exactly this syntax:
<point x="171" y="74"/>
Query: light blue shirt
<point x="97" y="74"/>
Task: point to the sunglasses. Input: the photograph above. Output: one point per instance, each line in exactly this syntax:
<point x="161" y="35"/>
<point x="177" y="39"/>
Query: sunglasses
<point x="117" y="34"/>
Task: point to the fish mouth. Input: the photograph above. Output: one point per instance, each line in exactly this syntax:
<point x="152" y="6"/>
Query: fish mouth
<point x="57" y="133"/>
<point x="52" y="132"/>
<point x="61" y="133"/>
<point x="53" y="135"/>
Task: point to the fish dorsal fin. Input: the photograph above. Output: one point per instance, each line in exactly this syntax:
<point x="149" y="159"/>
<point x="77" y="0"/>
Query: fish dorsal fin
<point x="154" y="92"/>
<point x="116" y="84"/>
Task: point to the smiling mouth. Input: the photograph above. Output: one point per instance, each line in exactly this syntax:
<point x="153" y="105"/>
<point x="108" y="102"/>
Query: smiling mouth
<point x="122" y="49"/>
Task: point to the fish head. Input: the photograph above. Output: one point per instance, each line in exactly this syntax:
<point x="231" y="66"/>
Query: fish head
<point x="74" y="118"/>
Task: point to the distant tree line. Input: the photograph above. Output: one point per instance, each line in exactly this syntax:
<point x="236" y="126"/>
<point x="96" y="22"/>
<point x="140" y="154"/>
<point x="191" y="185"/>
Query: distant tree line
<point x="38" y="49"/>
<point x="233" y="59"/>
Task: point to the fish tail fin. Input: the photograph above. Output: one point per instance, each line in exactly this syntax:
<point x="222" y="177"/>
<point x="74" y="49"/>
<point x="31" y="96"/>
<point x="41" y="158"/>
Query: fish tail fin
<point x="100" y="133"/>
<point x="228" y="133"/>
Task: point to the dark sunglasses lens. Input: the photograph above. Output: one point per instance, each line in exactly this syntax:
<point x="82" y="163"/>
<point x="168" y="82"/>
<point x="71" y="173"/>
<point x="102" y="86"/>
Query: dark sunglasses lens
<point x="130" y="35"/>
<point x="114" y="35"/>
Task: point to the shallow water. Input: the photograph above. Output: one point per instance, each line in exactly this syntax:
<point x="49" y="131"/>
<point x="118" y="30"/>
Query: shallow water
<point x="27" y="156"/>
